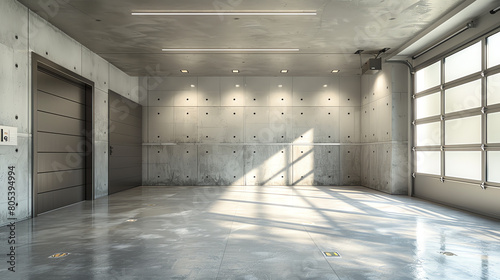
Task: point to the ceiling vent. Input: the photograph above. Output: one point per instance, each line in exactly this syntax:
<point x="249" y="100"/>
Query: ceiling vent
<point x="372" y="66"/>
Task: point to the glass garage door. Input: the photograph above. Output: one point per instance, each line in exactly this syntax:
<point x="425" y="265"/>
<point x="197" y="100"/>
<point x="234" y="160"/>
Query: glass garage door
<point x="456" y="116"/>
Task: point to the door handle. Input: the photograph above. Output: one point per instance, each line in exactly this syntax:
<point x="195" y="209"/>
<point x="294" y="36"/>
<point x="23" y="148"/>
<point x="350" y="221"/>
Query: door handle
<point x="110" y="150"/>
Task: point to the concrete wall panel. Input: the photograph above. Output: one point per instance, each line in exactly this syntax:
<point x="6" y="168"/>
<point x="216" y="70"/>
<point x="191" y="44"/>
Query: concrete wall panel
<point x="211" y="117"/>
<point x="375" y="165"/>
<point x="53" y="44"/>
<point x="316" y="165"/>
<point x="101" y="158"/>
<point x="161" y="124"/>
<point x="399" y="169"/>
<point x="145" y="124"/>
<point x="143" y="91"/>
<point x="220" y="165"/>
<point x="267" y="165"/>
<point x="172" y="83"/>
<point x="14" y="89"/>
<point x="101" y="115"/>
<point x="366" y="165"/>
<point x="233" y="116"/>
<point x="280" y="91"/>
<point x="267" y="121"/>
<point x="350" y="91"/>
<point x="350" y="124"/>
<point x="399" y="78"/>
<point x="303" y="165"/>
<point x="96" y="69"/>
<point x="374" y="119"/>
<point x="173" y="165"/>
<point x="365" y="123"/>
<point x="185" y="133"/>
<point x="384" y="109"/>
<point x="119" y="82"/>
<point x="232" y="91"/>
<point x="350" y="165"/>
<point x="400" y="122"/>
<point x="257" y="91"/>
<point x="185" y="115"/>
<point x="233" y="135"/>
<point x="185" y="97"/>
<point x="160" y="98"/>
<point x="14" y="22"/>
<point x="367" y="89"/>
<point x="209" y="91"/>
<point x="384" y="153"/>
<point x="327" y="166"/>
<point x="18" y="157"/>
<point x="215" y="135"/>
<point x="313" y="124"/>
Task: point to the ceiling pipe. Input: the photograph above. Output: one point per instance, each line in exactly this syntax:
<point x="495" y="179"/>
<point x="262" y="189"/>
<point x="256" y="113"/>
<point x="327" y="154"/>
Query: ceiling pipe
<point x="494" y="11"/>
<point x="470" y="24"/>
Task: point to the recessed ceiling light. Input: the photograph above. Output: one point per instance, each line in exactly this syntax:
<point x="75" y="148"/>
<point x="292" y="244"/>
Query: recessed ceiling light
<point x="236" y="71"/>
<point x="193" y="86"/>
<point x="280" y="86"/>
<point x="284" y="71"/>
<point x="229" y="50"/>
<point x="237" y="86"/>
<point x="335" y="71"/>
<point x="184" y="71"/>
<point x="227" y="13"/>
<point x="325" y="85"/>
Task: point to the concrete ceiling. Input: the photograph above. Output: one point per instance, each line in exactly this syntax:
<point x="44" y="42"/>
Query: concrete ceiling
<point x="326" y="41"/>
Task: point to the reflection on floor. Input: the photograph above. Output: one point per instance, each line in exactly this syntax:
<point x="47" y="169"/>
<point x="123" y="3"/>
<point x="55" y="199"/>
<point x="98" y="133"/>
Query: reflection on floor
<point x="247" y="232"/>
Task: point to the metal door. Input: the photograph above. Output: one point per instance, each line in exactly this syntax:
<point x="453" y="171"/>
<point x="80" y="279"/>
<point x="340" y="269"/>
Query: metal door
<point x="125" y="143"/>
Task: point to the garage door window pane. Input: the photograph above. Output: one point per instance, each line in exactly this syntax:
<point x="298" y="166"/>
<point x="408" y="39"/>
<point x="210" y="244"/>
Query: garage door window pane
<point x="493" y="50"/>
<point x="429" y="162"/>
<point x="493" y="89"/>
<point x="463" y="63"/>
<point x="463" y="97"/>
<point x="429" y="134"/>
<point x="494" y="167"/>
<point x="428" y="106"/>
<point x="493" y="128"/>
<point x="428" y="77"/>
<point x="463" y="131"/>
<point x="465" y="165"/>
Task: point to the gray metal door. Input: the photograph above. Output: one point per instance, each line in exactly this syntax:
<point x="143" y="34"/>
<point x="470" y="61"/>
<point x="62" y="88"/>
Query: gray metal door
<point x="59" y="142"/>
<point x="125" y="143"/>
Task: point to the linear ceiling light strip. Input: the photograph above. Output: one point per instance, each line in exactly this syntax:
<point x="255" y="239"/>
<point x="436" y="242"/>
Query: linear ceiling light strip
<point x="226" y="13"/>
<point x="230" y="50"/>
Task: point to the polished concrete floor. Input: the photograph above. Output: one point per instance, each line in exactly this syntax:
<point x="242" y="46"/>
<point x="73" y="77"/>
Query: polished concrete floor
<point x="255" y="233"/>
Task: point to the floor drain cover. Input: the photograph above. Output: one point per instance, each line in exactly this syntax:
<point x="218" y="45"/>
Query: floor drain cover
<point x="449" y="254"/>
<point x="332" y="254"/>
<point x="58" y="255"/>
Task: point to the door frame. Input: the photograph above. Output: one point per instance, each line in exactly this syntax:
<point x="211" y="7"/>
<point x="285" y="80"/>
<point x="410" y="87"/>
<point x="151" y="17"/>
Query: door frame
<point x="39" y="62"/>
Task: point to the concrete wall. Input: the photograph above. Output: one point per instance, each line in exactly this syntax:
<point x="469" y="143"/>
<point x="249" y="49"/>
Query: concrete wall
<point x="23" y="32"/>
<point x="384" y="129"/>
<point x="251" y="130"/>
